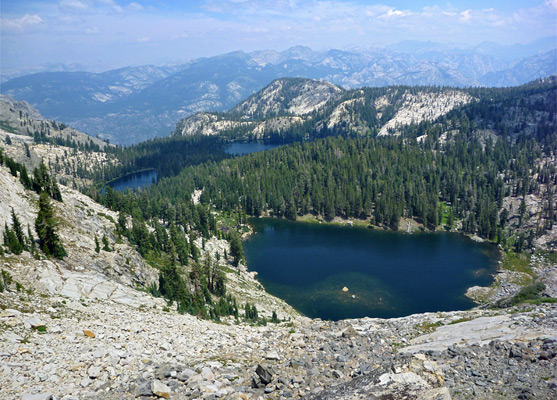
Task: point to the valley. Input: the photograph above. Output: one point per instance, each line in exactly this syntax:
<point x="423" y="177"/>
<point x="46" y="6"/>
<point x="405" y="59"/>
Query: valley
<point x="157" y="297"/>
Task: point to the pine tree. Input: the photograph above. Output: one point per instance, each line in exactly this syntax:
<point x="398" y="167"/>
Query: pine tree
<point x="122" y="224"/>
<point x="97" y="245"/>
<point x="236" y="249"/>
<point x="11" y="242"/>
<point x="45" y="225"/>
<point x="274" y="318"/>
<point x="32" y="244"/>
<point x="106" y="246"/>
<point x="18" y="231"/>
<point x="55" y="190"/>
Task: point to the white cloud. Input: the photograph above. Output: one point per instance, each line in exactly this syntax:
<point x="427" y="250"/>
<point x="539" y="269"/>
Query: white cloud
<point x="133" y="6"/>
<point x="21" y="24"/>
<point x="91" y="30"/>
<point x="88" y="6"/>
<point x="119" y="30"/>
<point x="551" y="4"/>
<point x="465" y="15"/>
<point x="393" y="13"/>
<point x="74" y="5"/>
<point x="111" y="5"/>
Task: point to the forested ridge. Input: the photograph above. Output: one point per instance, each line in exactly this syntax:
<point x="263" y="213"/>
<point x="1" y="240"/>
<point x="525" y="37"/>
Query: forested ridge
<point x="366" y="111"/>
<point x="458" y="168"/>
<point x="457" y="172"/>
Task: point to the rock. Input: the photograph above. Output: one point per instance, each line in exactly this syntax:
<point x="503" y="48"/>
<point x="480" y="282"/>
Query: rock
<point x="349" y="332"/>
<point x="33" y="322"/>
<point x="264" y="374"/>
<point x="407" y="380"/>
<point x="185" y="375"/>
<point x="94" y="372"/>
<point x="143" y="388"/>
<point x="39" y="396"/>
<point x="272" y="355"/>
<point x="12" y="337"/>
<point x="88" y="333"/>
<point x="207" y="374"/>
<point x="160" y="389"/>
<point x="286" y="394"/>
<point x="8" y="312"/>
<point x="337" y="374"/>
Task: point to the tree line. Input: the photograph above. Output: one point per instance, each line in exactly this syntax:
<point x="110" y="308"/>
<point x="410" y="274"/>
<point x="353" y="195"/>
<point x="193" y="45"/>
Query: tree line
<point x="14" y="238"/>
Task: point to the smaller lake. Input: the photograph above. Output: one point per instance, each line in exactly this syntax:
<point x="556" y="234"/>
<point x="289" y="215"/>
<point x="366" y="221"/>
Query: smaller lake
<point x="238" y="149"/>
<point x="135" y="180"/>
<point x="386" y="274"/>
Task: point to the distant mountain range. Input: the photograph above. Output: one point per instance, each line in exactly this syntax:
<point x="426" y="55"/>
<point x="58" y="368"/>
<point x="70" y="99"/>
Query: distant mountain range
<point x="132" y="104"/>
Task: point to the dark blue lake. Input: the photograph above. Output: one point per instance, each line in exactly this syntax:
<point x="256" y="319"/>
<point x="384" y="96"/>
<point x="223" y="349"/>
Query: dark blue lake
<point x="387" y="274"/>
<point x="238" y="149"/>
<point x="135" y="180"/>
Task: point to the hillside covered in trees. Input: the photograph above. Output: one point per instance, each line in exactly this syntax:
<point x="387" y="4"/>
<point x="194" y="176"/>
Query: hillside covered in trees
<point x="457" y="171"/>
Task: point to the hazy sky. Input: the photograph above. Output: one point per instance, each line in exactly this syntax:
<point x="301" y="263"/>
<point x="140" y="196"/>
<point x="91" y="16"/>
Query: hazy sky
<point x="103" y="34"/>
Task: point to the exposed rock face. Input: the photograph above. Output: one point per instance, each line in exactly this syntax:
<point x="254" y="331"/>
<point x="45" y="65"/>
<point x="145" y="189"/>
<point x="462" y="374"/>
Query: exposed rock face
<point x="19" y="122"/>
<point x="425" y="107"/>
<point x="479" y="331"/>
<point x="286" y="103"/>
<point x="207" y="124"/>
<point x="19" y="118"/>
<point x="283" y="103"/>
<point x="287" y="96"/>
<point x="84" y="273"/>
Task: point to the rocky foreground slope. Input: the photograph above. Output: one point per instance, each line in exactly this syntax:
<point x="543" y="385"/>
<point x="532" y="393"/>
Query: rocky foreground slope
<point x="81" y="329"/>
<point x="93" y="349"/>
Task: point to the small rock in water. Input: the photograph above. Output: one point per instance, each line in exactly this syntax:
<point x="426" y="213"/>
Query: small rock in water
<point x="345" y="289"/>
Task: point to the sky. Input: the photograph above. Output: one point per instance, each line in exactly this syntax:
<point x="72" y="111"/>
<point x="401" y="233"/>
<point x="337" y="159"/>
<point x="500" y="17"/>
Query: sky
<point x="103" y="34"/>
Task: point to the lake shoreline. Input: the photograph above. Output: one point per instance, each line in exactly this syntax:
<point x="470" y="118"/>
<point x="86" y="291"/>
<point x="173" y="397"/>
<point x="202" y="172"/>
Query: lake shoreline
<point x="377" y="256"/>
<point x="504" y="279"/>
<point x="107" y="183"/>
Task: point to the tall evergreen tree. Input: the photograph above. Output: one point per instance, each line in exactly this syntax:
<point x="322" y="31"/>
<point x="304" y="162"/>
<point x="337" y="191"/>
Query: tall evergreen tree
<point x="18" y="230"/>
<point x="236" y="249"/>
<point x="32" y="244"/>
<point x="46" y="226"/>
<point x="11" y="242"/>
